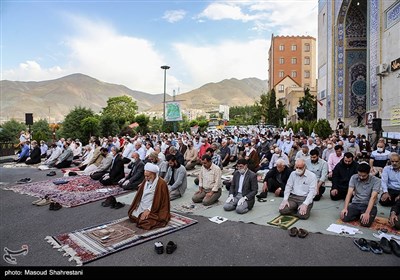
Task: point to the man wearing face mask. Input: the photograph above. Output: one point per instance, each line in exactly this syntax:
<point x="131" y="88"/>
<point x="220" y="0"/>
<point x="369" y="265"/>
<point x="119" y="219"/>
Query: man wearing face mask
<point x="275" y="180"/>
<point x="342" y="173"/>
<point x="299" y="192"/>
<point x="363" y="205"/>
<point x="135" y="176"/>
<point x="320" y="168"/>
<point x="328" y="151"/>
<point x="391" y="181"/>
<point x="393" y="147"/>
<point x="353" y="148"/>
<point x="379" y="159"/>
<point x="151" y="206"/>
<point x="277" y="155"/>
<point x="244" y="187"/>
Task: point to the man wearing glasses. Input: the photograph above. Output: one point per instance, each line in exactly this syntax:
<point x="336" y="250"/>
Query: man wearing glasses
<point x="391" y="181"/>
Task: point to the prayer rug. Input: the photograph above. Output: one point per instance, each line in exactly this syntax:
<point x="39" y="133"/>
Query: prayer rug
<point x="77" y="191"/>
<point x="23" y="165"/>
<point x="91" y="243"/>
<point x="378" y="224"/>
<point x="283" y="221"/>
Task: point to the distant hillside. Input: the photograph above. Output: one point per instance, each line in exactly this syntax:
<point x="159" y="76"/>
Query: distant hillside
<point x="56" y="98"/>
<point x="62" y="95"/>
<point x="232" y="92"/>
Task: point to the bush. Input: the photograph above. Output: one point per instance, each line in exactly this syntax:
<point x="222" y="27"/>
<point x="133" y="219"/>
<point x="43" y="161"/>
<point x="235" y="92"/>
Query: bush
<point x="323" y="128"/>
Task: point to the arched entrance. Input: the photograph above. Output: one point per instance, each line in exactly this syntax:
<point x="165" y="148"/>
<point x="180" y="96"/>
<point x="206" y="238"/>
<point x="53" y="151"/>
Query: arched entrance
<point x="351" y="50"/>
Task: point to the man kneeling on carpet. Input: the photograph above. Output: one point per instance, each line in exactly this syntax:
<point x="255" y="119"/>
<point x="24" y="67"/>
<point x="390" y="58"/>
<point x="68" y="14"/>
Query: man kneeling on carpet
<point x="151" y="206"/>
<point x="363" y="205"/>
<point x="299" y="192"/>
<point x="243" y="189"/>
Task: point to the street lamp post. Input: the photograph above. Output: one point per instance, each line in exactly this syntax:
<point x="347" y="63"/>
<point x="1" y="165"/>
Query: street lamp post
<point x="165" y="67"/>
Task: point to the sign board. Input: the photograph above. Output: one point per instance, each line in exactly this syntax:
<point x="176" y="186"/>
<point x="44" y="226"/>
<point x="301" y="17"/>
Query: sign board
<point x="173" y="111"/>
<point x="395" y="116"/>
<point x="369" y="116"/>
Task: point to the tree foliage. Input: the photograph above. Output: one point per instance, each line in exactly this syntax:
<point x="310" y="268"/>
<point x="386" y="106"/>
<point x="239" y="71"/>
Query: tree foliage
<point x="90" y="127"/>
<point x="121" y="108"/>
<point x="108" y="126"/>
<point x="10" y="131"/>
<point x="243" y="115"/>
<point x="308" y="104"/>
<point x="323" y="128"/>
<point x="71" y="127"/>
<point x="41" y="130"/>
<point x="143" y="122"/>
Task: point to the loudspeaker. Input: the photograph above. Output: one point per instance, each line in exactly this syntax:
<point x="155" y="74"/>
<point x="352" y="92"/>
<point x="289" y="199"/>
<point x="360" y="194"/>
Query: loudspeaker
<point x="377" y="124"/>
<point x="29" y="119"/>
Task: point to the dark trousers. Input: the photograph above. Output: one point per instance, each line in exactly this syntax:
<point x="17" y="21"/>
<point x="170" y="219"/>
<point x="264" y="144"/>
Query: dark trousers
<point x="97" y="175"/>
<point x="340" y="195"/>
<point x="273" y="185"/>
<point x="393" y="194"/>
<point x="355" y="210"/>
<point x="317" y="197"/>
<point x="64" y="164"/>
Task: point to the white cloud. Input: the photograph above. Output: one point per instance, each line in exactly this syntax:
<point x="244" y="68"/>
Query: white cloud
<point x="293" y="17"/>
<point x="213" y="63"/>
<point x="220" y="11"/>
<point x="174" y="15"/>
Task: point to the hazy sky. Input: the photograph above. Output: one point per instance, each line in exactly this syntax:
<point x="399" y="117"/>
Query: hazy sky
<point x="126" y="42"/>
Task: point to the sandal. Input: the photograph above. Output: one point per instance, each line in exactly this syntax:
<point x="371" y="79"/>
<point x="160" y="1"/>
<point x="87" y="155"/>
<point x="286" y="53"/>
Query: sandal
<point x="362" y="244"/>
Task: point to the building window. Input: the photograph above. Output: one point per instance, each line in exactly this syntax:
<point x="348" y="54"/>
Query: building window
<point x="281" y="88"/>
<point x="294" y="60"/>
<point x="307" y="47"/>
<point x="294" y="74"/>
<point x="281" y="48"/>
<point x="306" y="74"/>
<point x="307" y="60"/>
<point x="281" y="74"/>
<point x="281" y="60"/>
<point x="294" y="47"/>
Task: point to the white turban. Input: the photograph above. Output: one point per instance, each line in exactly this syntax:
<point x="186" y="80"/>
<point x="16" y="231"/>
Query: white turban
<point x="151" y="167"/>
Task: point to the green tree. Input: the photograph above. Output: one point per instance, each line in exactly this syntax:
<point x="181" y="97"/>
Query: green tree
<point x="308" y="104"/>
<point x="323" y="128"/>
<point x="71" y="127"/>
<point x="41" y="130"/>
<point x="155" y="124"/>
<point x="281" y="112"/>
<point x="143" y="122"/>
<point x="90" y="127"/>
<point x="108" y="126"/>
<point x="273" y="117"/>
<point x="10" y="131"/>
<point x="121" y="108"/>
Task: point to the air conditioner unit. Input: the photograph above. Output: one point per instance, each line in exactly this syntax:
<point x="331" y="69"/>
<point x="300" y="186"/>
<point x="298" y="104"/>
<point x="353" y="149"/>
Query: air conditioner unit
<point x="382" y="69"/>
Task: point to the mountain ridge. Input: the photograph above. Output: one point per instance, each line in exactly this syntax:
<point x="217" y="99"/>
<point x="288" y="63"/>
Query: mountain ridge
<point x="53" y="99"/>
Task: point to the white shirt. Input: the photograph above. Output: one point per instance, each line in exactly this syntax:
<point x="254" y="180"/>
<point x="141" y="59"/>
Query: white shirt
<point x="147" y="198"/>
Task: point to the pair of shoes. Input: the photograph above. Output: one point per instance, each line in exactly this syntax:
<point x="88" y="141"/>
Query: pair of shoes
<point x="159" y="247"/>
<point x="302" y="233"/>
<point x="362" y="244"/>
<point x="24" y="181"/>
<point x="171" y="247"/>
<point x="117" y="205"/>
<point x="51" y="173"/>
<point x="72" y="173"/>
<point x="46" y="197"/>
<point x="261" y="200"/>
<point x="55" y="206"/>
<point x="110" y="201"/>
<point x="262" y="195"/>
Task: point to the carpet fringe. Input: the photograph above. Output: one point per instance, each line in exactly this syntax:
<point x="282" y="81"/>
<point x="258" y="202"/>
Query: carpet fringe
<point x="69" y="252"/>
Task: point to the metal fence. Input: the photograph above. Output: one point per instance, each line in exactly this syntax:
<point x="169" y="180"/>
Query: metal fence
<point x="7" y="149"/>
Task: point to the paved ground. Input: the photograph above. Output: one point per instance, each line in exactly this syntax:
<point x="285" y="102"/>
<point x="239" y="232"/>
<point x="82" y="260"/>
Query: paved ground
<point x="202" y="245"/>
